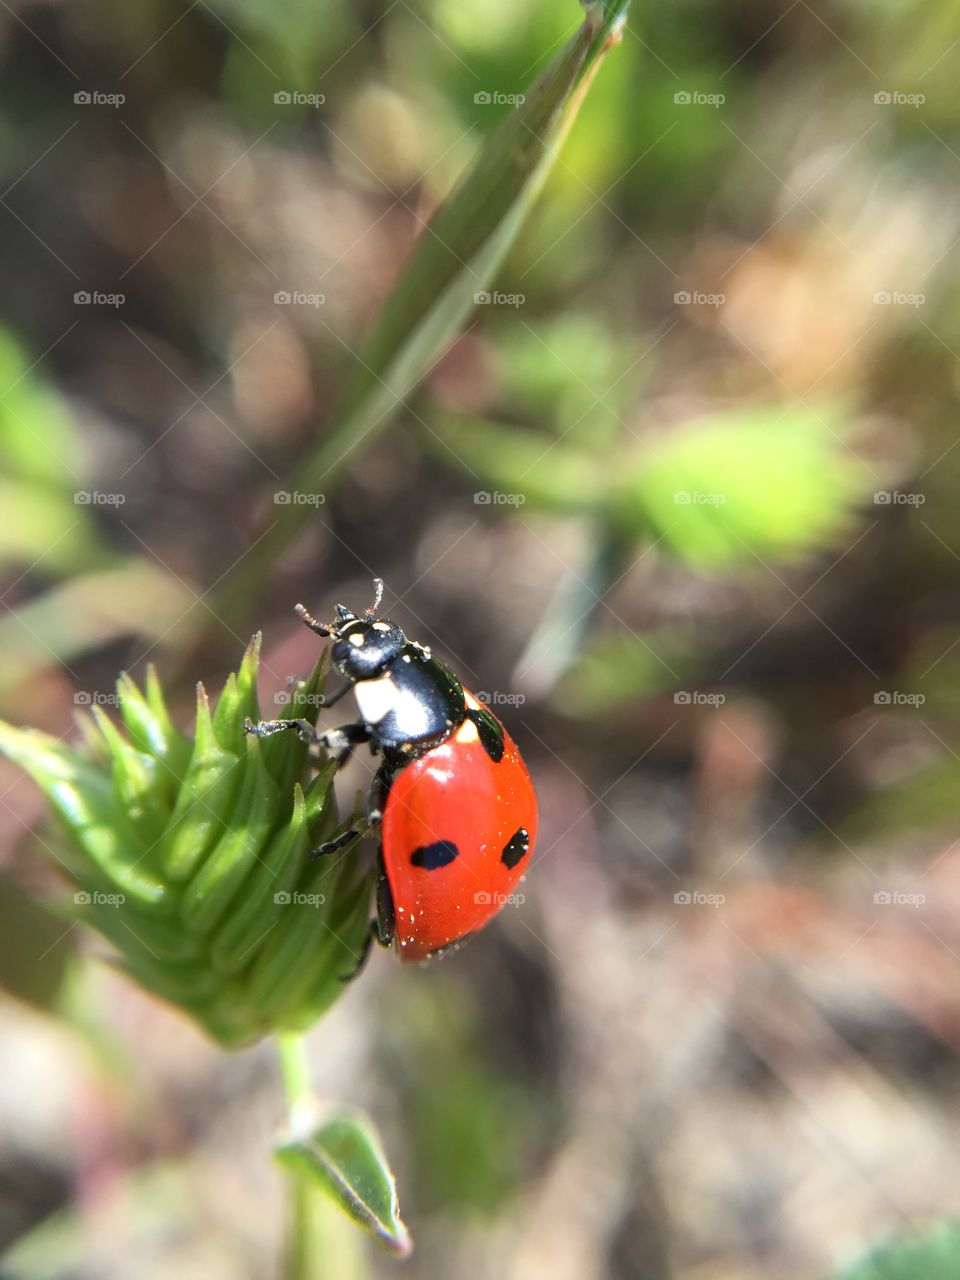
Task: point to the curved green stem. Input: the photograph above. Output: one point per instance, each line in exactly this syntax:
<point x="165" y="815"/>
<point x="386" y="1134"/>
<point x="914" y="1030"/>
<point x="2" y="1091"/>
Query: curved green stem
<point x="301" y="1260"/>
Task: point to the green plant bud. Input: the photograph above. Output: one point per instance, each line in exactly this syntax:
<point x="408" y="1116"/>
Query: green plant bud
<point x="190" y="857"/>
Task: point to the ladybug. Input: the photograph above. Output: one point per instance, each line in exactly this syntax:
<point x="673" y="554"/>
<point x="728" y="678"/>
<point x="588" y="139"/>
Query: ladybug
<point x="452" y="798"/>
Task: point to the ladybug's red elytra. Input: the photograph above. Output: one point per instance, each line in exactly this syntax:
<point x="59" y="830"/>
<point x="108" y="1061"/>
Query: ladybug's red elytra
<point x="453" y="800"/>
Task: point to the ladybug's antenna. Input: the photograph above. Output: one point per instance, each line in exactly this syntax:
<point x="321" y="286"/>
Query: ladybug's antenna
<point x="344" y="615"/>
<point x="320" y="628"/>
<point x="377" y="598"/>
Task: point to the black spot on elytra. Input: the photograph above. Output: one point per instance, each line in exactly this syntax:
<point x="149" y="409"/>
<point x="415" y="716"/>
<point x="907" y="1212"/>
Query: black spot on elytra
<point x="431" y="856"/>
<point x="516" y="848"/>
<point x="490" y="733"/>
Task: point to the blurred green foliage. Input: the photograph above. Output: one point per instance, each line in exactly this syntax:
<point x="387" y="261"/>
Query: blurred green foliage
<point x="935" y="1257"/>
<point x="42" y="463"/>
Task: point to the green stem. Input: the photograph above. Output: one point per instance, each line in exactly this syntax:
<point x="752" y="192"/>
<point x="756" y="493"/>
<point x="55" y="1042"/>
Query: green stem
<point x="294" y="1066"/>
<point x="301" y="1261"/>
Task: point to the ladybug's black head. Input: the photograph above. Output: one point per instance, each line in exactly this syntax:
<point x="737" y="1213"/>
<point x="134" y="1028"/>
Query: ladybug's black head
<point x="364" y="647"/>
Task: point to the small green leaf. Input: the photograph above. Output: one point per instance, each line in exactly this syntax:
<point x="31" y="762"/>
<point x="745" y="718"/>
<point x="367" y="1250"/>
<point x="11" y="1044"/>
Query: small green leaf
<point x="743" y="485"/>
<point x="935" y="1257"/>
<point x="342" y="1153"/>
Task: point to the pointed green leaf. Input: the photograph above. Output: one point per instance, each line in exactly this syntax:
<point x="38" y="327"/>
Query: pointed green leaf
<point x="342" y="1154"/>
<point x="205" y="804"/>
<point x="148" y="722"/>
<point x="82" y="795"/>
<point x="269" y="891"/>
<point x="209" y="893"/>
<point x="139" y="782"/>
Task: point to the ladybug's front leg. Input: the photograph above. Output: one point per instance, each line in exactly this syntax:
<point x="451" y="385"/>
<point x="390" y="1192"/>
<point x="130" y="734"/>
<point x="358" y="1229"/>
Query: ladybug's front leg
<point x="341" y="740"/>
<point x="267" y="728"/>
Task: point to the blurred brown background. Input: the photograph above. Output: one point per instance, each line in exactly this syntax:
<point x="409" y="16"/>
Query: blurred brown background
<point x="680" y="503"/>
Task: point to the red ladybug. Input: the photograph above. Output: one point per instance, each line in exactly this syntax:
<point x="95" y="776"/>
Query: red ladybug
<point x="454" y="802"/>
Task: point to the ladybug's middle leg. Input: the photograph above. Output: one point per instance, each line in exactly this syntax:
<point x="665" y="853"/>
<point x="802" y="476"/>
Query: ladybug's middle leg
<point x="376" y="800"/>
<point x="342" y="740"/>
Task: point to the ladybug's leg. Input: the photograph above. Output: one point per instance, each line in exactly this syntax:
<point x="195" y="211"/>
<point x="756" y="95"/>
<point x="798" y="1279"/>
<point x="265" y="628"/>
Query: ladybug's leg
<point x="334" y="698"/>
<point x="266" y="728"/>
<point x="342" y="740"/>
<point x="331" y="846"/>
<point x="377" y="797"/>
<point x="385" y="923"/>
<point x="375" y="802"/>
<point x="358" y="967"/>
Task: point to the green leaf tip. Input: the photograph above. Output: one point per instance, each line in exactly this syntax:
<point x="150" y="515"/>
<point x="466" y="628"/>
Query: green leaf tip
<point x="340" y="1152"/>
<point x="190" y="854"/>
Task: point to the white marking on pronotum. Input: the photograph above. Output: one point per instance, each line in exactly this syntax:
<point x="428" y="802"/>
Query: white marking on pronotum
<point x="358" y="639"/>
<point x="381" y="626"/>
<point x="376" y="698"/>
